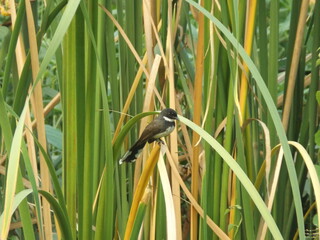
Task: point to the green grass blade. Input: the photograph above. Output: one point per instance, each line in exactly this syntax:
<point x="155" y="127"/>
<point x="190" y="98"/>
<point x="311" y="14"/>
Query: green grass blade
<point x="273" y="112"/>
<point x="12" y="47"/>
<point x="243" y="178"/>
<point x="54" y="177"/>
<point x="109" y="159"/>
<point x="57" y="38"/>
<point x="12" y="174"/>
<point x="60" y="215"/>
<point x="139" y="217"/>
<point x="32" y="180"/>
<point x="18" y="198"/>
<point x="246" y="203"/>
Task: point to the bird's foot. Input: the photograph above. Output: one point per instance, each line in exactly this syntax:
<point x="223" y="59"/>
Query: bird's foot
<point x="159" y="141"/>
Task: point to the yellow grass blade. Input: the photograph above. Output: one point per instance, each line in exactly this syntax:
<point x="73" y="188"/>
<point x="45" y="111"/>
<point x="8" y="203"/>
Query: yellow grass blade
<point x="142" y="184"/>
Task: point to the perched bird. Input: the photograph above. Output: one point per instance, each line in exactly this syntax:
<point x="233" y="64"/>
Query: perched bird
<point x="161" y="126"/>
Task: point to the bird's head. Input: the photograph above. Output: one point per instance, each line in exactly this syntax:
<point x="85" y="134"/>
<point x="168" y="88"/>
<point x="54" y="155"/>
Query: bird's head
<point x="169" y="114"/>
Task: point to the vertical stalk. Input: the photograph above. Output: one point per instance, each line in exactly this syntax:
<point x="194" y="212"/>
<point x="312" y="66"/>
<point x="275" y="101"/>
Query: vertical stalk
<point x="294" y="63"/>
<point x="252" y="5"/>
<point x="208" y="94"/>
<point x="174" y="135"/>
<point x="68" y="99"/>
<point x="197" y="120"/>
<point x="37" y="105"/>
<point x="273" y="63"/>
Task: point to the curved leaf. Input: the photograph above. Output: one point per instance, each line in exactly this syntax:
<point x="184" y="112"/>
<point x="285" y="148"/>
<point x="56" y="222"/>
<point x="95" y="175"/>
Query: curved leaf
<point x="59" y="214"/>
<point x="273" y="112"/>
<point x="12" y="173"/>
<point x="18" y="198"/>
<point x="243" y="178"/>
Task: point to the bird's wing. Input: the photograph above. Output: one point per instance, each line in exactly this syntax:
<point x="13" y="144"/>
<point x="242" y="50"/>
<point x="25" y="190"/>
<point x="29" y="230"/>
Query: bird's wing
<point x="147" y="133"/>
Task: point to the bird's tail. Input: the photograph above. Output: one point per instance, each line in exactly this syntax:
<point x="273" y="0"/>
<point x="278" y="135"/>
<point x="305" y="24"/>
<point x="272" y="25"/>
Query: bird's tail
<point x="132" y="154"/>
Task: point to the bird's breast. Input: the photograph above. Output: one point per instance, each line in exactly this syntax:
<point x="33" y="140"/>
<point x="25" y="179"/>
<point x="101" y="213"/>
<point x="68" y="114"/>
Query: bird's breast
<point x="165" y="133"/>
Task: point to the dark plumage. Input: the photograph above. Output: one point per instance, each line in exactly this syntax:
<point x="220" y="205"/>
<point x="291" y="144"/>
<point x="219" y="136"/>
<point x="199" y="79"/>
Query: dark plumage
<point x="161" y="126"/>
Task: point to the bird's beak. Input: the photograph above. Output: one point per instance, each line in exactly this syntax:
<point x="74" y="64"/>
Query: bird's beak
<point x="177" y="118"/>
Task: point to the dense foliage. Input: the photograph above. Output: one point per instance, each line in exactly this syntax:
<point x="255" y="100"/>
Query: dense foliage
<point x="79" y="80"/>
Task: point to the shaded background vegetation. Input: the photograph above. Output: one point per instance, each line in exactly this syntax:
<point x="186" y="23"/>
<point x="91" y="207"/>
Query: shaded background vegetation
<point x="74" y="73"/>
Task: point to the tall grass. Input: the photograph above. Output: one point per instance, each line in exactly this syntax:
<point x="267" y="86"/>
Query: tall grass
<point x="80" y="80"/>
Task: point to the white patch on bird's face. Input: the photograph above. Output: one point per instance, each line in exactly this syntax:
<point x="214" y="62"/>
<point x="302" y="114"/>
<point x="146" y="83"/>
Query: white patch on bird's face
<point x="165" y="133"/>
<point x="168" y="119"/>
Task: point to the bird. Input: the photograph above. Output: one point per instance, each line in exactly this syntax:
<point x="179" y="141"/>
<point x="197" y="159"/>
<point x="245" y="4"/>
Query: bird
<point x="160" y="127"/>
